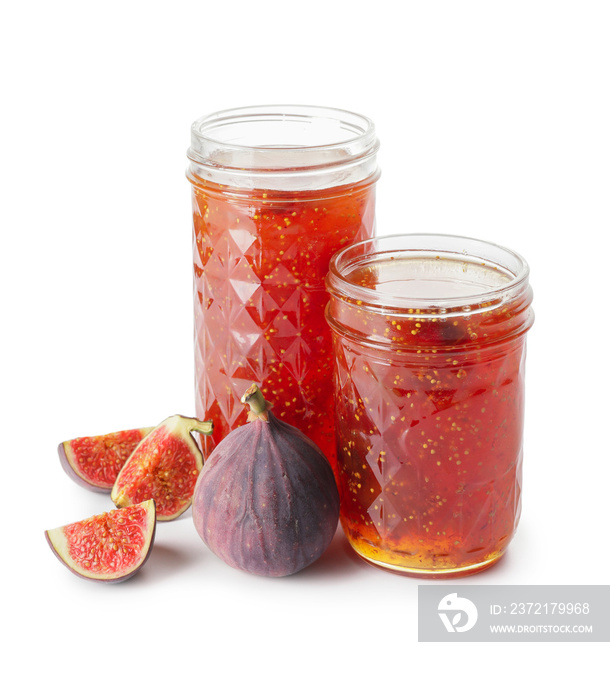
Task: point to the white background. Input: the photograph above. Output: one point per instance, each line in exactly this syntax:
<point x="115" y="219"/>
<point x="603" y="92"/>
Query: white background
<point x="494" y="119"/>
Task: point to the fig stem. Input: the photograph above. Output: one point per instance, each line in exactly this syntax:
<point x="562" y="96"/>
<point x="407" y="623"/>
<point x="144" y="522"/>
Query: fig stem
<point x="259" y="408"/>
<point x="206" y="427"/>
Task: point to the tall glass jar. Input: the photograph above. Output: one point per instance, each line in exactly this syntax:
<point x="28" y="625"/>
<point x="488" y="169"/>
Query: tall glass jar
<point x="429" y="337"/>
<point x="276" y="190"/>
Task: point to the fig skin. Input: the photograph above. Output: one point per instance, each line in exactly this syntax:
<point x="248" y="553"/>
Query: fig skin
<point x="164" y="466"/>
<point x="60" y="544"/>
<point x="266" y="501"/>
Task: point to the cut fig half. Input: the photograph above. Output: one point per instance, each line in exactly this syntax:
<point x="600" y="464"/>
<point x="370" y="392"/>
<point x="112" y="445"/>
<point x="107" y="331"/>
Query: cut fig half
<point x="109" y="547"/>
<point x="164" y="466"/>
<point x="95" y="462"/>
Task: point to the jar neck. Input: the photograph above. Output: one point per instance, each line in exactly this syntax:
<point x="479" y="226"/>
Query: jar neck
<point x="429" y="291"/>
<point x="283" y="147"/>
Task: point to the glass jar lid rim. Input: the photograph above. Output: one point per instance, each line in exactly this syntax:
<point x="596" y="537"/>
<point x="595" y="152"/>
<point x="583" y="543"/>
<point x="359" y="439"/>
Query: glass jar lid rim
<point x="426" y="245"/>
<point x="358" y="137"/>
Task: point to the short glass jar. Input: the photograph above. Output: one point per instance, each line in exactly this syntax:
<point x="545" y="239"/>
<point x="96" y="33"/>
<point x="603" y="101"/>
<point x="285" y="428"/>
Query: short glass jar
<point x="429" y="338"/>
<point x="276" y="190"/>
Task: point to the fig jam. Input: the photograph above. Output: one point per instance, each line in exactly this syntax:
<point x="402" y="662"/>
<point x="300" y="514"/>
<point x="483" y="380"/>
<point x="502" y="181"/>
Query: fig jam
<point x="260" y="265"/>
<point x="429" y="336"/>
<point x="275" y="192"/>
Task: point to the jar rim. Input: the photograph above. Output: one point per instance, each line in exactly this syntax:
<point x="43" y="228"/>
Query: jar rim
<point x="510" y="264"/>
<point x="351" y="137"/>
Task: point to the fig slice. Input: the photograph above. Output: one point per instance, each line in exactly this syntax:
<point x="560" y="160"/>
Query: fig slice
<point x="266" y="501"/>
<point x="95" y="462"/>
<point x="164" y="466"/>
<point x="109" y="547"/>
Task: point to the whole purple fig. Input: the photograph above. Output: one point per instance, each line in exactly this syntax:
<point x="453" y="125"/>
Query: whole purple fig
<point x="266" y="501"/>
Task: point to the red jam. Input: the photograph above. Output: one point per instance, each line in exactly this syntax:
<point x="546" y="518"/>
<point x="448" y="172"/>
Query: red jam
<point x="261" y="258"/>
<point x="429" y="410"/>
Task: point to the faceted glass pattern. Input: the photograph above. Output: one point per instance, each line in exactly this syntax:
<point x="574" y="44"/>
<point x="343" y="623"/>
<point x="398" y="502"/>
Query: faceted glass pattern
<point x="260" y="262"/>
<point x="430" y="457"/>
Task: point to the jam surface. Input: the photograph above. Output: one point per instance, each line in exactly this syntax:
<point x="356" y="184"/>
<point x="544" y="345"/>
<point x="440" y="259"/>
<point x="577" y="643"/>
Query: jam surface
<point x="261" y="259"/>
<point x="430" y="418"/>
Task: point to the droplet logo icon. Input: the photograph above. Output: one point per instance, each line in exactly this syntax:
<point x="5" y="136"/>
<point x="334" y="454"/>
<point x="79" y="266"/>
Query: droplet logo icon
<point x="457" y="614"/>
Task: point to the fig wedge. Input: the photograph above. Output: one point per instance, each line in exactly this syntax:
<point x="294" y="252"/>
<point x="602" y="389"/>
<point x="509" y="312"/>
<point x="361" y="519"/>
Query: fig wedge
<point x="164" y="466"/>
<point x="95" y="462"/>
<point x="110" y="547"/>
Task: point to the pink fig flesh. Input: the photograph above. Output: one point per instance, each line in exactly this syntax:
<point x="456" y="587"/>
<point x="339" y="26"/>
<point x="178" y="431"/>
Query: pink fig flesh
<point x="110" y="547"/>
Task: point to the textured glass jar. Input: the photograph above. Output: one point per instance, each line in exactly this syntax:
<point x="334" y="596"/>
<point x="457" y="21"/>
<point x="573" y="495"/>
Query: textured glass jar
<point x="276" y="190"/>
<point x="429" y="338"/>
